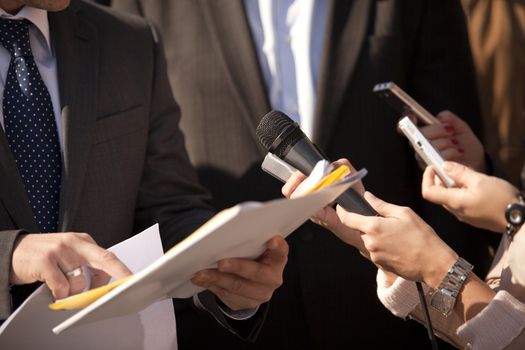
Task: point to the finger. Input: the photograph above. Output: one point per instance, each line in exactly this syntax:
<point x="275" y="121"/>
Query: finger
<point x="291" y="185"/>
<point x="277" y="252"/>
<point x="233" y="284"/>
<point x="383" y="208"/>
<point x="461" y="174"/>
<point x="431" y="189"/>
<point x="452" y="153"/>
<point x="253" y="271"/>
<point x="84" y="236"/>
<point x="98" y="278"/>
<point x="443" y="143"/>
<point x="234" y="302"/>
<point x="99" y="258"/>
<point x="341" y="162"/>
<point x="54" y="278"/>
<point x="436" y="131"/>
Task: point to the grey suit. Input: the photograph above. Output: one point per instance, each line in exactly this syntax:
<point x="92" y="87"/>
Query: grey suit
<point x="328" y="297"/>
<point x="125" y="163"/>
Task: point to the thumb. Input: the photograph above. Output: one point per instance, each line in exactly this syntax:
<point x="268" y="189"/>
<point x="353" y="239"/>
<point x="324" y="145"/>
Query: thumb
<point x="460" y="173"/>
<point x="383" y="208"/>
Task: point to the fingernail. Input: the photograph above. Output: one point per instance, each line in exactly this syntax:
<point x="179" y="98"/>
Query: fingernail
<point x="461" y="150"/>
<point x="370" y="195"/>
<point x="454" y="141"/>
<point x="449" y="128"/>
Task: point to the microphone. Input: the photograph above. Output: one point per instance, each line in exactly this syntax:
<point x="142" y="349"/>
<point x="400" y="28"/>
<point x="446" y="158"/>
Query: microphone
<point x="283" y="137"/>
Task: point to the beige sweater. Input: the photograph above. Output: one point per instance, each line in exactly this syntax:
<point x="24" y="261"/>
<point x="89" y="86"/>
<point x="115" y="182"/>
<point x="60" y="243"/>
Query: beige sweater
<point x="501" y="325"/>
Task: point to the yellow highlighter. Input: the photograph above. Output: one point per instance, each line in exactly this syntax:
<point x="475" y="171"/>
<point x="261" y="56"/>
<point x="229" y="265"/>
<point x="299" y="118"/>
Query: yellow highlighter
<point x="80" y="301"/>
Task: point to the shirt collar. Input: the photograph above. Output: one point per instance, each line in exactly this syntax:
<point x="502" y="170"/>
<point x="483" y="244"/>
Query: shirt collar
<point x="36" y="16"/>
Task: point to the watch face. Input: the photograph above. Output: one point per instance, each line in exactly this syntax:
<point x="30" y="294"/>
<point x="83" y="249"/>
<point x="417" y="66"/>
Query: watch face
<point x="515" y="214"/>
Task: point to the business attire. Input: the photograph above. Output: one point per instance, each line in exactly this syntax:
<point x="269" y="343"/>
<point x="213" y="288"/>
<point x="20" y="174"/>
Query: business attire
<point x="124" y="164"/>
<point x="223" y="79"/>
<point x="500" y="325"/>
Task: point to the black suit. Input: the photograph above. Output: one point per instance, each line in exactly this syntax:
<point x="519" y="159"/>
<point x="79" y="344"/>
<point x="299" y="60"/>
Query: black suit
<point x="328" y="299"/>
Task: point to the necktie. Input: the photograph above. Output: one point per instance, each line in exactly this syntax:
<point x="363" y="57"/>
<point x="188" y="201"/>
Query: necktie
<point x="30" y="125"/>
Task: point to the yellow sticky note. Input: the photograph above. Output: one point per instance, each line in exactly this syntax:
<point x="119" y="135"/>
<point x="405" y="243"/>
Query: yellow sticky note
<point x="82" y="300"/>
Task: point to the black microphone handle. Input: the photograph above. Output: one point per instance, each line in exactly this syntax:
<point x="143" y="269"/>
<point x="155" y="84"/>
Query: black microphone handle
<point x="303" y="155"/>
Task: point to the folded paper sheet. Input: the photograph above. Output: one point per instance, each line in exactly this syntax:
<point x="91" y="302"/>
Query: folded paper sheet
<point x="30" y="327"/>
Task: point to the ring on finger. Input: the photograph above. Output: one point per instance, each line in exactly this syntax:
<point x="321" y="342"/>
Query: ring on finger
<point x="74" y="273"/>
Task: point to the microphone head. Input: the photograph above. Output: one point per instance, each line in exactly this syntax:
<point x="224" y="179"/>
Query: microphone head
<point x="277" y="132"/>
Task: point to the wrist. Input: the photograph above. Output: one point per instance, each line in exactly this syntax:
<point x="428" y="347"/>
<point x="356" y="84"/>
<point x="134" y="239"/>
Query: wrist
<point x="439" y="267"/>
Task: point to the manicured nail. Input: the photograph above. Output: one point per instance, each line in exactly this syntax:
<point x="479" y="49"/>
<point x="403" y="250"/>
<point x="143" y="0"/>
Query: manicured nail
<point x="454" y="141"/>
<point x="461" y="150"/>
<point x="449" y="128"/>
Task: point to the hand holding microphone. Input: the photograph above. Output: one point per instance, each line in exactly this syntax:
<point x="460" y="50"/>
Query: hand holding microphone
<point x="282" y="136"/>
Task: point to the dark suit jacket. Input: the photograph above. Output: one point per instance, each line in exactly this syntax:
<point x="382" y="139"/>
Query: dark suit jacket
<point x="328" y="298"/>
<point x="125" y="164"/>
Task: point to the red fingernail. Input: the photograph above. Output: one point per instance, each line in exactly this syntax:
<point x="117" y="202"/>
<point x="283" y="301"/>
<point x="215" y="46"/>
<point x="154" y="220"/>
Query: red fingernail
<point x="454" y="141"/>
<point x="461" y="150"/>
<point x="449" y="128"/>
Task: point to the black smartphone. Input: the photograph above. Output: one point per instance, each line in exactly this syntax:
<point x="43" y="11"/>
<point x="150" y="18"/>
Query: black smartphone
<point x="403" y="103"/>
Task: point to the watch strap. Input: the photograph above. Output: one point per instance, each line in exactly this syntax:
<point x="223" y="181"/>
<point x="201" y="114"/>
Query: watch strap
<point x="444" y="297"/>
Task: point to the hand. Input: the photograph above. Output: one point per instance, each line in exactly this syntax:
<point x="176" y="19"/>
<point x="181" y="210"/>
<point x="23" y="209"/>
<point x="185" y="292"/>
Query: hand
<point x="401" y="242"/>
<point x="48" y="257"/>
<point x="478" y="199"/>
<point x="455" y="141"/>
<point x="246" y="284"/>
<point x="328" y="217"/>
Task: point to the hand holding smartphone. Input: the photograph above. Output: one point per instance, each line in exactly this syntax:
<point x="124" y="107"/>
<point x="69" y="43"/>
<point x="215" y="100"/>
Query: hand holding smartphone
<point x="425" y="150"/>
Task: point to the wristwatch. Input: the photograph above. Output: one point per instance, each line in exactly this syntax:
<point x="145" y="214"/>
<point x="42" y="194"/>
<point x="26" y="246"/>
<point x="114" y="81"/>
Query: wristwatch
<point x="444" y="297"/>
<point x="515" y="215"/>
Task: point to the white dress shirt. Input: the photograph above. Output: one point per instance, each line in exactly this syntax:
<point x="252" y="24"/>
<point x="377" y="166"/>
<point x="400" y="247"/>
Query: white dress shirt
<point x="288" y="36"/>
<point x="43" y="54"/>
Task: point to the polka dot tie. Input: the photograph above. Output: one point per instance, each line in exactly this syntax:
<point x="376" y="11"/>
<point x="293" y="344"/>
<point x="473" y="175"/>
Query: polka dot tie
<point x="30" y="125"/>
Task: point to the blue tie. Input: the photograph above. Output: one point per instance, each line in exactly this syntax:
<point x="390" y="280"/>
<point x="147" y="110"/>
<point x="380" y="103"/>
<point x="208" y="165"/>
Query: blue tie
<point x="30" y="126"/>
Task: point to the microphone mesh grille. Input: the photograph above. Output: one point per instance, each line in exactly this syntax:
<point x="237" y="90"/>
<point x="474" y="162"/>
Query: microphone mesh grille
<point x="271" y="126"/>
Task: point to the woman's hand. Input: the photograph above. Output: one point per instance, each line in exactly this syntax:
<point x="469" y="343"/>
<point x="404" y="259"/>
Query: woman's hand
<point x="328" y="216"/>
<point x="477" y="199"/>
<point x="455" y="141"/>
<point x="400" y="242"/>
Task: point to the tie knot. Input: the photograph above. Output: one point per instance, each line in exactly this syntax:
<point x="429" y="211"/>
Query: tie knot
<point x="14" y="36"/>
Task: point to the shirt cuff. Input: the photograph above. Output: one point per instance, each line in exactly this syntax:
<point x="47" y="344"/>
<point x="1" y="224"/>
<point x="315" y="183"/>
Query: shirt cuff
<point x="401" y="297"/>
<point x="238" y="315"/>
<point x="496" y="326"/>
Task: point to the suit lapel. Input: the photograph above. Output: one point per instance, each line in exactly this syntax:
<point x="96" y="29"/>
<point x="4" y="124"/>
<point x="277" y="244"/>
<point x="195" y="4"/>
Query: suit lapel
<point x="344" y="36"/>
<point x="75" y="43"/>
<point x="227" y="22"/>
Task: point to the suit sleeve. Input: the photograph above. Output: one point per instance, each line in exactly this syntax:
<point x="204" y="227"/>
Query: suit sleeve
<point x="170" y="193"/>
<point x="7" y="241"/>
<point x="130" y="6"/>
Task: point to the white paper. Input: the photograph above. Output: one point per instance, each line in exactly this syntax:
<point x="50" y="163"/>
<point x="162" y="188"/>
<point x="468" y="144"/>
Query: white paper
<point x="241" y="231"/>
<point x="30" y="327"/>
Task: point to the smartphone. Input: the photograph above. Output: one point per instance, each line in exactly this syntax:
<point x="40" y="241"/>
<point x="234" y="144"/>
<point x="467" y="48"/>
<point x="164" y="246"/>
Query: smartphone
<point x="424" y="148"/>
<point x="403" y="103"/>
<point x="277" y="167"/>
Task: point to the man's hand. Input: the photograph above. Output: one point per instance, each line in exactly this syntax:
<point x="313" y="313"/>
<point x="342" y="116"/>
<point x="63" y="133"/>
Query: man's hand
<point x="246" y="284"/>
<point x="49" y="257"/>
